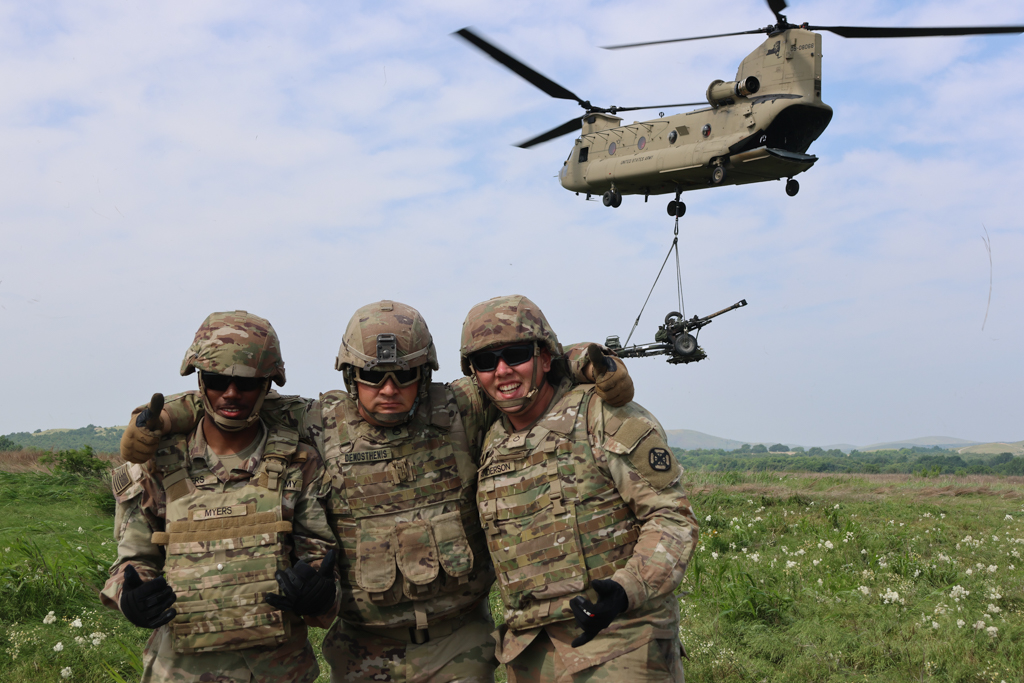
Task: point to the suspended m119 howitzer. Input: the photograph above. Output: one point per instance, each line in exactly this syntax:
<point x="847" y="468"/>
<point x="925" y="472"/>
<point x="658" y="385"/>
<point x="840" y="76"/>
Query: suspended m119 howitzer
<point x="672" y="339"/>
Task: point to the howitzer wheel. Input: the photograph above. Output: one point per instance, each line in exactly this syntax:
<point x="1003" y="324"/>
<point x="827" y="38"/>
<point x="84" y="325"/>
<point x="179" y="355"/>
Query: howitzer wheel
<point x="685" y="344"/>
<point x="673" y="318"/>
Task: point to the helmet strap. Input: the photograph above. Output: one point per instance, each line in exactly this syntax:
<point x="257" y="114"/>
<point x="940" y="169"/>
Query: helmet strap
<point x="227" y="424"/>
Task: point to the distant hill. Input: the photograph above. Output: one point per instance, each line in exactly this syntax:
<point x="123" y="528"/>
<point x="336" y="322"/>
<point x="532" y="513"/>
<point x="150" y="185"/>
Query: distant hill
<point x="947" y="442"/>
<point x="689" y="439"/>
<point x="994" y="448"/>
<point x="102" y="439"/>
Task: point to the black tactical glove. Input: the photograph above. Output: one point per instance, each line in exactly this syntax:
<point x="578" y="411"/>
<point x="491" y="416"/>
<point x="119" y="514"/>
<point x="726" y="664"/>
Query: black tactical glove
<point x="306" y="590"/>
<point x="595" y="618"/>
<point x="147" y="604"/>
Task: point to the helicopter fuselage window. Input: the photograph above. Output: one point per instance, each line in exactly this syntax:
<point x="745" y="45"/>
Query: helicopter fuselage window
<point x="583" y="154"/>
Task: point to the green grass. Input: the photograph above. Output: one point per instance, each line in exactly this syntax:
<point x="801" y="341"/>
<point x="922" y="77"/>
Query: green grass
<point x="748" y="615"/>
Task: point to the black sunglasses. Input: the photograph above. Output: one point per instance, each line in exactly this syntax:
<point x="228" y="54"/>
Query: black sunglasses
<point x="212" y="380"/>
<point x="376" y="378"/>
<point x="487" y="361"/>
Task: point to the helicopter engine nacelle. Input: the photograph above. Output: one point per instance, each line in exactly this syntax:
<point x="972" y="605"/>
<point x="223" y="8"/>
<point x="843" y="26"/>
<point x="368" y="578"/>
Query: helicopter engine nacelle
<point x="720" y="92"/>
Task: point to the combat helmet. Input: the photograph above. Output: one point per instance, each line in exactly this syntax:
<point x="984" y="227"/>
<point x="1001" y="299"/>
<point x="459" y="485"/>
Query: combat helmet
<point x="385" y="336"/>
<point x="239" y="344"/>
<point x="507" y="320"/>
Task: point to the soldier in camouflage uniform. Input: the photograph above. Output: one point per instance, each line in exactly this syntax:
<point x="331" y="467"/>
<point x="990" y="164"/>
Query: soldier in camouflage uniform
<point x="219" y="520"/>
<point x="586" y="520"/>
<point x="402" y="454"/>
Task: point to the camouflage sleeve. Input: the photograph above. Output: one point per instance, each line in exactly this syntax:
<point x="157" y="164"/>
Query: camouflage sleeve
<point x="293" y="412"/>
<point x="141" y="507"/>
<point x="477" y="412"/>
<point x="579" y="362"/>
<point x="311" y="533"/>
<point x="631" y="443"/>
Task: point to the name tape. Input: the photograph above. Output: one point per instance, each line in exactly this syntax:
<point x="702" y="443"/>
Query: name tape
<point x="368" y="456"/>
<point x="204" y="480"/>
<point x="497" y="468"/>
<point x="219" y="513"/>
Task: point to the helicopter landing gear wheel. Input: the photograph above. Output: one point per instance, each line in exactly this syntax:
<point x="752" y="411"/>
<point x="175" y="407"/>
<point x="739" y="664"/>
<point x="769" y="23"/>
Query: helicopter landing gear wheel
<point x="717" y="175"/>
<point x="606" y="198"/>
<point x="616" y="200"/>
<point x="685" y="344"/>
<point x="792" y="187"/>
<point x="611" y="198"/>
<point x="676" y="209"/>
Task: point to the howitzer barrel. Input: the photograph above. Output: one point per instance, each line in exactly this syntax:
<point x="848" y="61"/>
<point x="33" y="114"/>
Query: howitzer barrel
<point x="697" y="323"/>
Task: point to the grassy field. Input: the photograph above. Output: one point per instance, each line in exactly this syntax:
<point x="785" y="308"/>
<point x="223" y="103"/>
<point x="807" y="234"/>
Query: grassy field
<point x="799" y="577"/>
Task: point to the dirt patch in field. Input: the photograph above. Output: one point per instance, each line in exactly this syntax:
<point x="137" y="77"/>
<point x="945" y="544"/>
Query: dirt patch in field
<point x="28" y="461"/>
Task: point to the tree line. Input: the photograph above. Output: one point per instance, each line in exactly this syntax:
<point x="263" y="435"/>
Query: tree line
<point x="918" y="460"/>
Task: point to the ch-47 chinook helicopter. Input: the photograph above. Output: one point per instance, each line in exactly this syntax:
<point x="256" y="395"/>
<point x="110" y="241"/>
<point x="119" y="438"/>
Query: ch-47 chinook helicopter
<point x="756" y="127"/>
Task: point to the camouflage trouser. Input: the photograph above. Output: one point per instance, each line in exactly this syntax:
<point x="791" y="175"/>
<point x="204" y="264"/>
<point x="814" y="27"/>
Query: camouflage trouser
<point x="293" y="662"/>
<point x="654" y="662"/>
<point x="466" y="655"/>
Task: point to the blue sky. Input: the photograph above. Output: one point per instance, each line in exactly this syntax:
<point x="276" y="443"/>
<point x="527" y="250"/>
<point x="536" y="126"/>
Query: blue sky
<point x="162" y="161"/>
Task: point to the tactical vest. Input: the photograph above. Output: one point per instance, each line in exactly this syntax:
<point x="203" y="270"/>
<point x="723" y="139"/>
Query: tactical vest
<point x="224" y="542"/>
<point x="554" y="521"/>
<point x="403" y="511"/>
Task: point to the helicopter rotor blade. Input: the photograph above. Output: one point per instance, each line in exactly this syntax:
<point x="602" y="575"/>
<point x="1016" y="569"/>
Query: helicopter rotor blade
<point x="556" y="132"/>
<point x="525" y="72"/>
<point x="658" y="106"/>
<point x="680" y="40"/>
<point x="914" y="32"/>
<point x="776" y="6"/>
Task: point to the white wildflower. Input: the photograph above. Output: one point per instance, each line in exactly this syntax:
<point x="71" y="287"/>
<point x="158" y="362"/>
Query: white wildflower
<point x="994" y="609"/>
<point x="992" y="569"/>
<point x="863" y="551"/>
<point x="978" y="625"/>
<point x="790" y="564"/>
<point x="960" y="623"/>
<point x="50" y="618"/>
<point x="828" y="544"/>
<point x="714" y="555"/>
<point x="935" y="624"/>
<point x="865" y="590"/>
<point x="992" y="631"/>
<point x="1008" y="518"/>
<point x="58" y="647"/>
<point x="755" y="557"/>
<point x="892" y="597"/>
<point x="65" y="672"/>
<point x="80" y="640"/>
<point x="81" y="530"/>
<point x="969" y="572"/>
<point x="708" y="518"/>
<point x="958" y="592"/>
<point x="993" y="594"/>
<point x="820" y="582"/>
<point x="77" y="623"/>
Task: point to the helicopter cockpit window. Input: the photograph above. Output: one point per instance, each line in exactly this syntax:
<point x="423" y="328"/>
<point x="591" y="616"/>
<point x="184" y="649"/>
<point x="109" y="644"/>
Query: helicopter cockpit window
<point x="583" y="154"/>
<point x="611" y="149"/>
<point x="641" y="143"/>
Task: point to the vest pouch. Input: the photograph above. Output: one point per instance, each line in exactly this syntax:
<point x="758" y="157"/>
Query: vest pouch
<point x="375" y="559"/>
<point x="417" y="552"/>
<point x="452" y="544"/>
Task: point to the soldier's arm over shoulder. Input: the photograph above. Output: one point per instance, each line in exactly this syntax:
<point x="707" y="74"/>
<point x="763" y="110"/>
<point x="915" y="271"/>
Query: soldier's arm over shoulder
<point x="477" y="412"/>
<point x="140" y="512"/>
<point x="311" y="531"/>
<point x="634" y="448"/>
